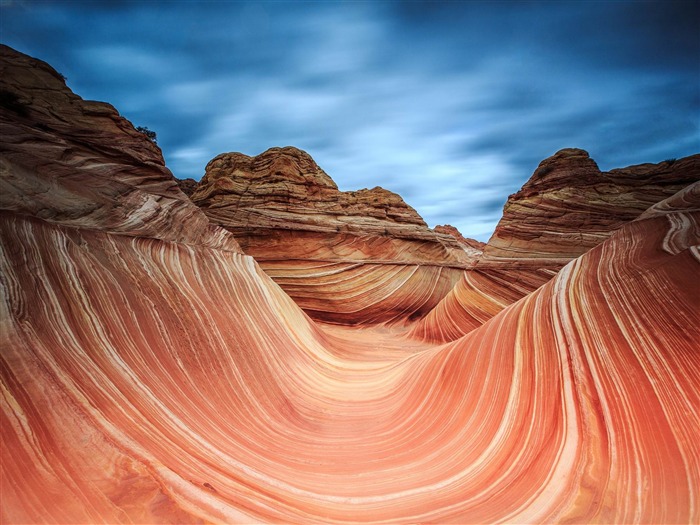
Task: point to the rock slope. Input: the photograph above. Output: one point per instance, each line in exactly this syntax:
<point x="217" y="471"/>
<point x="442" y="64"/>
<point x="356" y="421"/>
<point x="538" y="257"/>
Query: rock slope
<point x="79" y="163"/>
<point x="147" y="378"/>
<point x="348" y="257"/>
<point x="567" y="207"/>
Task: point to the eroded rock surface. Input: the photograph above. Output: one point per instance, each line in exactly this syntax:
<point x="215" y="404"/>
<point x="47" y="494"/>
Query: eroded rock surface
<point x="566" y="208"/>
<point x="569" y="206"/>
<point x="151" y="375"/>
<point x="469" y="244"/>
<point x="344" y="256"/>
<point x="79" y="163"/>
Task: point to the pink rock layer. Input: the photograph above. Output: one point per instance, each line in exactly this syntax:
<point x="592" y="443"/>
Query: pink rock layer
<point x="146" y="379"/>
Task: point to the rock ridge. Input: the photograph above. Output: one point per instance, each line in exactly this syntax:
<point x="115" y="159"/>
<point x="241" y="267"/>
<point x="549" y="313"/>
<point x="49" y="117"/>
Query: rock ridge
<point x="285" y="188"/>
<point x="338" y="254"/>
<point x="567" y="207"/>
<point x="104" y="175"/>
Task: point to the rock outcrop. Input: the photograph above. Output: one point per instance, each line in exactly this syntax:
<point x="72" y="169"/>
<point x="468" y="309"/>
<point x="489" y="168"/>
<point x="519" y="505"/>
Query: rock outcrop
<point x="344" y="256"/>
<point x="151" y="375"/>
<point x="468" y="244"/>
<point x="566" y="208"/>
<point x="188" y="186"/>
<point x="569" y="206"/>
<point x="79" y="163"/>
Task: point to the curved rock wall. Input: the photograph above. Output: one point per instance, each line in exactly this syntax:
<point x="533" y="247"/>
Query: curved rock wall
<point x="150" y="380"/>
<point x="345" y="257"/>
<point x="567" y="207"/>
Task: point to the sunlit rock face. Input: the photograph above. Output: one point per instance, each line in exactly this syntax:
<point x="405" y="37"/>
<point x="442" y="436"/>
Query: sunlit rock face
<point x="612" y="337"/>
<point x="567" y="207"/>
<point x="346" y="257"/>
<point x="470" y="245"/>
<point x="147" y="379"/>
<point x="481" y="293"/>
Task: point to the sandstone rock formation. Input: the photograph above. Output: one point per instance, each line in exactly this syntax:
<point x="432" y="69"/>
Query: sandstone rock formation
<point x="188" y="186"/>
<point x="349" y="257"/>
<point x="567" y="207"/>
<point x="78" y="163"/>
<point x="153" y="376"/>
<point x="468" y="244"/>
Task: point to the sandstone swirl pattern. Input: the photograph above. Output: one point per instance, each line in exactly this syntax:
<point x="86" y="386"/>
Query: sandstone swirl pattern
<point x="153" y="379"/>
<point x="346" y="257"/>
<point x="566" y="208"/>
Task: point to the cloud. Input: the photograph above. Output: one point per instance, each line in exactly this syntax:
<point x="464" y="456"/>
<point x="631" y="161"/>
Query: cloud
<point x="450" y="104"/>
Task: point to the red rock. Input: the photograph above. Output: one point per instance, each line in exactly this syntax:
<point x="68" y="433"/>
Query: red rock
<point x="188" y="186"/>
<point x="346" y="257"/>
<point x="151" y="376"/>
<point x="469" y="244"/>
<point x="79" y="163"/>
<point x="567" y="207"/>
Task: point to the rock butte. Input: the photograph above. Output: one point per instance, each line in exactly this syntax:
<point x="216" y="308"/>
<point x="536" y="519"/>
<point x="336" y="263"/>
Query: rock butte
<point x="352" y="257"/>
<point x="153" y="373"/>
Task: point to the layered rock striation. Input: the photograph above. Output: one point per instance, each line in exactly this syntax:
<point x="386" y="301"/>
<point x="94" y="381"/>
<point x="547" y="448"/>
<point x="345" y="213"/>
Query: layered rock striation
<point x="349" y="257"/>
<point x="79" y="163"/>
<point x="569" y="206"/>
<point x="153" y="376"/>
<point x="470" y="245"/>
<point x="566" y="208"/>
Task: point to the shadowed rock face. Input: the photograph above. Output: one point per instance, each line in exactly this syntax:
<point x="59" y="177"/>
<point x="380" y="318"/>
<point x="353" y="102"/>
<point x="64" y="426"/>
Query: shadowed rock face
<point x="75" y="162"/>
<point x="151" y="374"/>
<point x="188" y="186"/>
<point x="344" y="257"/>
<point x="567" y="207"/>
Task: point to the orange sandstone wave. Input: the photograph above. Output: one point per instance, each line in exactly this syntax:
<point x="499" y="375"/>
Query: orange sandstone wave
<point x="477" y="297"/>
<point x="165" y="378"/>
<point x="179" y="383"/>
<point x="567" y="207"/>
<point x="362" y="292"/>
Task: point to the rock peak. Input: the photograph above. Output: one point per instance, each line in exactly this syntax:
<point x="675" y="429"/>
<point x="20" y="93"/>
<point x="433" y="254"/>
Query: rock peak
<point x="561" y="166"/>
<point x="78" y="163"/>
<point x="288" y="150"/>
<point x="275" y="165"/>
<point x="19" y="58"/>
<point x="288" y="181"/>
<point x="469" y="243"/>
<point x="571" y="152"/>
<point x="569" y="205"/>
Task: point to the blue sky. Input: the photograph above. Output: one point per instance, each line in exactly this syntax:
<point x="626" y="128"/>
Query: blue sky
<point x="450" y="104"/>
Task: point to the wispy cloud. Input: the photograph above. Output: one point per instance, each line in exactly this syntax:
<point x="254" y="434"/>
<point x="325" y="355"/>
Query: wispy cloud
<point x="450" y="104"/>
